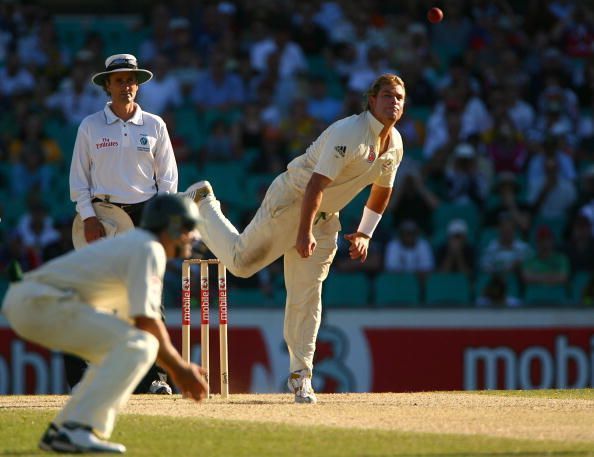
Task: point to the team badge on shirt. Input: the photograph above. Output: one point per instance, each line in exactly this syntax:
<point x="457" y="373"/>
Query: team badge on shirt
<point x="341" y="150"/>
<point x="371" y="156"/>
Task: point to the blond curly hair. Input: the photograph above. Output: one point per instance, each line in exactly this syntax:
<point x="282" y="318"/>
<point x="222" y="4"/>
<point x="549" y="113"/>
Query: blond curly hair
<point x="387" y="79"/>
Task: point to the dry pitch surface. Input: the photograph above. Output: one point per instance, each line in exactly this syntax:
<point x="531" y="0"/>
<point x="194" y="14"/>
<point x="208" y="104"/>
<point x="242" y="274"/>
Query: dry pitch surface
<point x="449" y="413"/>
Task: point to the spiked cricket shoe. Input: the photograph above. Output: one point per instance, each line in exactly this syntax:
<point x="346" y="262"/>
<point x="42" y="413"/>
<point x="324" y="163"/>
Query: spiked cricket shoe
<point x="199" y="191"/>
<point x="76" y="438"/>
<point x="299" y="383"/>
<point x="160" y="388"/>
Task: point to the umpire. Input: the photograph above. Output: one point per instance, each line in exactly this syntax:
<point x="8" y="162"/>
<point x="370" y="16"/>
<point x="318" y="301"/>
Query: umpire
<point x="122" y="156"/>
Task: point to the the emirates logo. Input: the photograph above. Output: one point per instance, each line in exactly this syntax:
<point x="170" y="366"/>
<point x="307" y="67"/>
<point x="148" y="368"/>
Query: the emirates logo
<point x="106" y="143"/>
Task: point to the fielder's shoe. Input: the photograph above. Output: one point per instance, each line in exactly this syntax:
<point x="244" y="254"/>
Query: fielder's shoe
<point x="198" y="191"/>
<point x="76" y="438"/>
<point x="160" y="388"/>
<point x="300" y="384"/>
<point x="45" y="444"/>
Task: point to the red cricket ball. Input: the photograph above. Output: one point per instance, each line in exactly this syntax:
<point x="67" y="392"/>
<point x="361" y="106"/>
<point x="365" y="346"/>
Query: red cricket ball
<point x="435" y="15"/>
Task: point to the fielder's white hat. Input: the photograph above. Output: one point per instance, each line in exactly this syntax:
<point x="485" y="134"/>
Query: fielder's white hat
<point x="114" y="219"/>
<point x="122" y="62"/>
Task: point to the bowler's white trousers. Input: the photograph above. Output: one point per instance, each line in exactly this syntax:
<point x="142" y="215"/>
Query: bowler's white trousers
<point x="119" y="354"/>
<point x="271" y="234"/>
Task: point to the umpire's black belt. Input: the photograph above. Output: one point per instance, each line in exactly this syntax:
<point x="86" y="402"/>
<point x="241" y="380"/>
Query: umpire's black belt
<point x="125" y="206"/>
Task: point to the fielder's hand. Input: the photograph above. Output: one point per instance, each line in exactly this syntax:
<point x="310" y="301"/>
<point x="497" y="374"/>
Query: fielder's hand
<point x="93" y="229"/>
<point x="359" y="245"/>
<point x="190" y="381"/>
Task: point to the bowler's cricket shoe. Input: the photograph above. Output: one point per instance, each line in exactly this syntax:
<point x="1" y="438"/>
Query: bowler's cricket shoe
<point x="199" y="191"/>
<point x="160" y="388"/>
<point x="76" y="438"/>
<point x="45" y="444"/>
<point x="300" y="384"/>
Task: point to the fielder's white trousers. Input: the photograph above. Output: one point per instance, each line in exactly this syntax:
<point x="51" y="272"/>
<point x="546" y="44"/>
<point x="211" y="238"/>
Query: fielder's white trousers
<point x="271" y="234"/>
<point x="119" y="354"/>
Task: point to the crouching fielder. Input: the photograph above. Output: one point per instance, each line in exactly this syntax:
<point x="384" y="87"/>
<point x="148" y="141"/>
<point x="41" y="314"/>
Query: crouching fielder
<point x="102" y="304"/>
<point x="298" y="218"/>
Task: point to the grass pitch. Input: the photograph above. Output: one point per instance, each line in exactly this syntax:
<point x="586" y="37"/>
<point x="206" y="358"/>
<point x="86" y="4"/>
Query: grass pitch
<point x="494" y="423"/>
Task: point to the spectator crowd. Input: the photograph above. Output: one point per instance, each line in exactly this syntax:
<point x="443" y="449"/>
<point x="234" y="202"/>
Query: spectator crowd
<point x="497" y="184"/>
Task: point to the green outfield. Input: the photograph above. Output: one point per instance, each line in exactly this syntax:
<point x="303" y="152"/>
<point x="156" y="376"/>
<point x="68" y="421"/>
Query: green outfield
<point x="463" y="424"/>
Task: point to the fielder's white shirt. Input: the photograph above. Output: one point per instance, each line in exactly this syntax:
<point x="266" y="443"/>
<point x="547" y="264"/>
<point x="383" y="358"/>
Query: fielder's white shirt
<point x="122" y="275"/>
<point x="127" y="160"/>
<point x="348" y="153"/>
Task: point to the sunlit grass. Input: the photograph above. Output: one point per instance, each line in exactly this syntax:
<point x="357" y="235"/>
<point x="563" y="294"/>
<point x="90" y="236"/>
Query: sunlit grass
<point x="160" y="436"/>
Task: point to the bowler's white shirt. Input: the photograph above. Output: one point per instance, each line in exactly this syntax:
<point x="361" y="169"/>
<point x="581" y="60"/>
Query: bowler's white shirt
<point x="348" y="153"/>
<point x="127" y="160"/>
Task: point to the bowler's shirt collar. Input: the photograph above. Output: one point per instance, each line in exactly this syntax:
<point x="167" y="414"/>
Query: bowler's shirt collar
<point x="376" y="127"/>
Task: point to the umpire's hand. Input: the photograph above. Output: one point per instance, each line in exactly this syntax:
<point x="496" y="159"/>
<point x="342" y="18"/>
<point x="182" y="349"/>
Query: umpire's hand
<point x="93" y="229"/>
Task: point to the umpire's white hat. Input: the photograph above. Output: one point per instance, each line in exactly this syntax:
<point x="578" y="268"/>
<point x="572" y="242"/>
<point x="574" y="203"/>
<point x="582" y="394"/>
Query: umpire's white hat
<point x="114" y="219"/>
<point x="122" y="62"/>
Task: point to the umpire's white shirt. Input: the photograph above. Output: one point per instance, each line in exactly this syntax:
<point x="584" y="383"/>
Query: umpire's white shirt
<point x="127" y="160"/>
